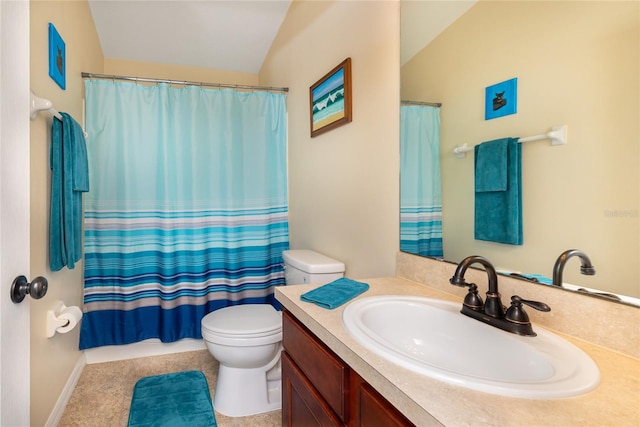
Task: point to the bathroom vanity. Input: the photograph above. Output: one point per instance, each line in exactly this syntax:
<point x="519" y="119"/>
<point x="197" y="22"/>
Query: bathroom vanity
<point x="320" y="388"/>
<point x="328" y="376"/>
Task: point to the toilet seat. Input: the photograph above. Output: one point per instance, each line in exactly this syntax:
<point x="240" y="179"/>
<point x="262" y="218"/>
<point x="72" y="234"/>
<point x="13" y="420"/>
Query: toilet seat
<point x="243" y="325"/>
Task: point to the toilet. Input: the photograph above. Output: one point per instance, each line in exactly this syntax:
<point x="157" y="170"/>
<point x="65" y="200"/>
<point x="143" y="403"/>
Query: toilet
<point x="246" y="340"/>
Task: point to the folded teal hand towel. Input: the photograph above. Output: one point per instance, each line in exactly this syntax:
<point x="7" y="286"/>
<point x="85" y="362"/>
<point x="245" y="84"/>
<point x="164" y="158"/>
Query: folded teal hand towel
<point x="335" y="294"/>
<point x="498" y="214"/>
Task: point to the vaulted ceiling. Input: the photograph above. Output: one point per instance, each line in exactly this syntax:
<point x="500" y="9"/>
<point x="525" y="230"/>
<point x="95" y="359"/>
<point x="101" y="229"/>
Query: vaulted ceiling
<point x="225" y="35"/>
<point x="232" y="35"/>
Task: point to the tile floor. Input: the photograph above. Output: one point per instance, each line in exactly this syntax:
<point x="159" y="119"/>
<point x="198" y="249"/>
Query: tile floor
<point x="103" y="393"/>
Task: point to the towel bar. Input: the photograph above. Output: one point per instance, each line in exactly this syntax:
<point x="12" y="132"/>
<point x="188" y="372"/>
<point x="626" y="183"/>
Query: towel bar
<point x="41" y="104"/>
<point x="38" y="104"/>
<point x="557" y="135"/>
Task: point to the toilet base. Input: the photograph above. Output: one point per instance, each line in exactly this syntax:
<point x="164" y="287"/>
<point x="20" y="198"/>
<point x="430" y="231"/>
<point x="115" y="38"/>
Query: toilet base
<point x="244" y="392"/>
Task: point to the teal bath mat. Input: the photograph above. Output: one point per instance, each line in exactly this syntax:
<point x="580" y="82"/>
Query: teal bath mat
<point x="172" y="400"/>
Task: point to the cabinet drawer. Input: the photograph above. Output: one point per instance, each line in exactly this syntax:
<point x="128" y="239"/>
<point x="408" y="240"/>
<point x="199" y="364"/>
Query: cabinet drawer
<point x="325" y="370"/>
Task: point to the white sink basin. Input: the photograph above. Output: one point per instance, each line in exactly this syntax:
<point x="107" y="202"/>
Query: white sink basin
<point x="433" y="338"/>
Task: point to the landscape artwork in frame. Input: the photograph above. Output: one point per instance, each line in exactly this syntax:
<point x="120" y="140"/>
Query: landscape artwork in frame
<point x="57" y="65"/>
<point x="330" y="99"/>
<point x="501" y="99"/>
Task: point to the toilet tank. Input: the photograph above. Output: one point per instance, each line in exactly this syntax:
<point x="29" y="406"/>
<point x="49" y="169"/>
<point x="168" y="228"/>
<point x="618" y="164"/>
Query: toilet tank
<point x="306" y="266"/>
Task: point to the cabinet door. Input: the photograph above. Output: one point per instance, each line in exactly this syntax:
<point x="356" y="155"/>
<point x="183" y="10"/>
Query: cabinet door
<point x="326" y="371"/>
<point x="370" y="409"/>
<point x="302" y="405"/>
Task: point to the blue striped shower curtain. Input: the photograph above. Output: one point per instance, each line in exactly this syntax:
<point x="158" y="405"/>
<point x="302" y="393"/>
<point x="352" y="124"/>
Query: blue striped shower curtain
<point x="187" y="211"/>
<point x="421" y="182"/>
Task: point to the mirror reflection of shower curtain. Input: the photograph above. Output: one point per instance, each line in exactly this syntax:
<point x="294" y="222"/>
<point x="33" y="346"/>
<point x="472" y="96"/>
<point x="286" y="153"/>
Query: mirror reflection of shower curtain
<point x="420" y="181"/>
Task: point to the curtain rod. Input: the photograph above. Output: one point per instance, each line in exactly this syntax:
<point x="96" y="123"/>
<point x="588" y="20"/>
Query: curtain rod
<point x="182" y="82"/>
<point x="430" y="104"/>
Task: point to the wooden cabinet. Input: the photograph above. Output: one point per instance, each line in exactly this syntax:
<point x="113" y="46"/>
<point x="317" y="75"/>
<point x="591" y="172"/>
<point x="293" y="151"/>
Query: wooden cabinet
<point x="370" y="409"/>
<point x="302" y="404"/>
<point x="319" y="389"/>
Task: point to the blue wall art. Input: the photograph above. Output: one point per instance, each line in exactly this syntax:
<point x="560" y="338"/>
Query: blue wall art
<point x="57" y="59"/>
<point x="501" y="99"/>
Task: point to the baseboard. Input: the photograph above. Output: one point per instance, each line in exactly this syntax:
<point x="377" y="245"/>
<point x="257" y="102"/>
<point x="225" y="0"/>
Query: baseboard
<point x="56" y="414"/>
<point x="146" y="348"/>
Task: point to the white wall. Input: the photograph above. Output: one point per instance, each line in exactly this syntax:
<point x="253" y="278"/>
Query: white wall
<point x="343" y="184"/>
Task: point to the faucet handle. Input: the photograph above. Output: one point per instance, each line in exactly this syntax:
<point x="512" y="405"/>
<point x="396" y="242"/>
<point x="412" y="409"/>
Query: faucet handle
<point x="473" y="300"/>
<point x="533" y="304"/>
<point x="516" y="313"/>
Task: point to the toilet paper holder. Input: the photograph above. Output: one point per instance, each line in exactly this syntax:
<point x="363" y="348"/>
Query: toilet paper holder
<point x="57" y="322"/>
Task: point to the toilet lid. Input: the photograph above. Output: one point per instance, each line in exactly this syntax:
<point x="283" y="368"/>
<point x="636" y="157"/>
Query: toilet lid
<point x="246" y="319"/>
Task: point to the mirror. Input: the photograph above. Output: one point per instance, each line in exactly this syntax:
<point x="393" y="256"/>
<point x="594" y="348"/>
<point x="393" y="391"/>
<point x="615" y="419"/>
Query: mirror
<point x="577" y="64"/>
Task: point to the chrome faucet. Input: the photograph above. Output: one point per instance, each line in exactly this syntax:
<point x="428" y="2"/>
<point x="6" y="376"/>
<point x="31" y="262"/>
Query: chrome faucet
<point x="514" y="320"/>
<point x="585" y="268"/>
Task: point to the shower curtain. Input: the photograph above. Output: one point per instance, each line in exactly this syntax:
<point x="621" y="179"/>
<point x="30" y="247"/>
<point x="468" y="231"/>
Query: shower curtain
<point x="187" y="211"/>
<point x="420" y="183"/>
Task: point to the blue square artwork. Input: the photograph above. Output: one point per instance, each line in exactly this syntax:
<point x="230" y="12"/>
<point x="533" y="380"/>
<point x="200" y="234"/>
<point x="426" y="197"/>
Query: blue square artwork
<point x="57" y="66"/>
<point x="501" y="99"/>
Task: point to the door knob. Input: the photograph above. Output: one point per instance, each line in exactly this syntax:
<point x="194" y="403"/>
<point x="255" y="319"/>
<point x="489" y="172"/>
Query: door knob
<point x="20" y="288"/>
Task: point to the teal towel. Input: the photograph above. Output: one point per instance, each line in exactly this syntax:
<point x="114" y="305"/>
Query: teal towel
<point x="80" y="169"/>
<point x="533" y="277"/>
<point x="179" y="399"/>
<point x="491" y="166"/>
<point x="498" y="213"/>
<point x="539" y="278"/>
<point x="69" y="179"/>
<point x="335" y="293"/>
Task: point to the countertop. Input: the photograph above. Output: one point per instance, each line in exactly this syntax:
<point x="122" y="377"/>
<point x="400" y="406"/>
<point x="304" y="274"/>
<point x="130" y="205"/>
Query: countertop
<point x="426" y="401"/>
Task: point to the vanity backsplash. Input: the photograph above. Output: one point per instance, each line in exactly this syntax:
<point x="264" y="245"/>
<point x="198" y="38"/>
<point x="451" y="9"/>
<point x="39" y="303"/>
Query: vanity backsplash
<point x="601" y="322"/>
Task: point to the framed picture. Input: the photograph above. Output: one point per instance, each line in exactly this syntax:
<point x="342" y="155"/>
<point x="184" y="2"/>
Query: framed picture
<point x="57" y="62"/>
<point x="501" y="99"/>
<point x="330" y="99"/>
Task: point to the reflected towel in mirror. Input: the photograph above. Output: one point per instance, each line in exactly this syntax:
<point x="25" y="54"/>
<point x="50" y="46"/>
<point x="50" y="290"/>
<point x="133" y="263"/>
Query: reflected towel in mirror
<point x="498" y="207"/>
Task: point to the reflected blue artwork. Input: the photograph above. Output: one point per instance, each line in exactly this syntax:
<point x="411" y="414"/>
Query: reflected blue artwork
<point x="501" y="99"/>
